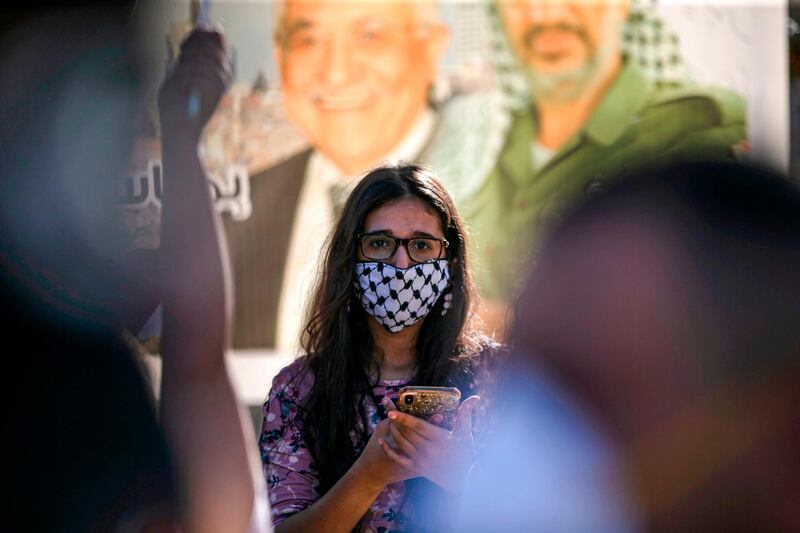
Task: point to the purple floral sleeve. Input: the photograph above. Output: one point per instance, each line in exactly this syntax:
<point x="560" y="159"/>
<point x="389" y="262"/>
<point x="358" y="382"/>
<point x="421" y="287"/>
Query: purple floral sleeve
<point x="292" y="480"/>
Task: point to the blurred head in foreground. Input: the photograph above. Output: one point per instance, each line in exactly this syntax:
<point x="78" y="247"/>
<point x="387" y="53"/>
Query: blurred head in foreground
<point x="662" y="325"/>
<point x="82" y="415"/>
<point x="67" y="120"/>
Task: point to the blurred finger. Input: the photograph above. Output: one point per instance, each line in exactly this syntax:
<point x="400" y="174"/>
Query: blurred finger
<point x="204" y="69"/>
<point x="205" y="54"/>
<point x="464" y="419"/>
<point x="395" y="456"/>
<point x="212" y="85"/>
<point x="388" y="404"/>
<point x="189" y="48"/>
<point x="401" y="442"/>
<point x="425" y="429"/>
<point x="199" y="36"/>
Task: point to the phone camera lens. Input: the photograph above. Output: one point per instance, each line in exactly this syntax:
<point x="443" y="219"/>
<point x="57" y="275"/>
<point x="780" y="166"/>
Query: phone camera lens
<point x="409" y="400"/>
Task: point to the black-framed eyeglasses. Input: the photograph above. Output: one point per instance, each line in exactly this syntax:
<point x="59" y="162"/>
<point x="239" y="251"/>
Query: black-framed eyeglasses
<point x="379" y="247"/>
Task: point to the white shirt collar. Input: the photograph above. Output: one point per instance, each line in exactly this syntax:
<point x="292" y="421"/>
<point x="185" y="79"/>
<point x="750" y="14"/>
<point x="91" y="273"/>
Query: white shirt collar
<point x="540" y="155"/>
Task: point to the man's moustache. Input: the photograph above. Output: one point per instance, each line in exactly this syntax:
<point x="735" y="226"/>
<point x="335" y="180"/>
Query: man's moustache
<point x="534" y="31"/>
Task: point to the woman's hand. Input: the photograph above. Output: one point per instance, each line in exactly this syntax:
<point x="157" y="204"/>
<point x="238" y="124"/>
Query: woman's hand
<point x="424" y="449"/>
<point x="376" y="466"/>
<point x="202" y="72"/>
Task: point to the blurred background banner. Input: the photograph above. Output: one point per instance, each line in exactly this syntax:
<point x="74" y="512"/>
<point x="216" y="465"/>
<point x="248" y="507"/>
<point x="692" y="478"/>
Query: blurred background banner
<point x="325" y="90"/>
<point x="735" y="44"/>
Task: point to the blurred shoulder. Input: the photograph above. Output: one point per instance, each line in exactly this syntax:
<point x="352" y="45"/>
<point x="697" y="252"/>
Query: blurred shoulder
<point x="469" y="135"/>
<point x="294" y="381"/>
<point x="726" y="107"/>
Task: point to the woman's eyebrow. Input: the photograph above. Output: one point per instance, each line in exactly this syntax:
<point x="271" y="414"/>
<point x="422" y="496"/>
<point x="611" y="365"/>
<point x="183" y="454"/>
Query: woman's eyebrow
<point x="425" y="234"/>
<point x="390" y="233"/>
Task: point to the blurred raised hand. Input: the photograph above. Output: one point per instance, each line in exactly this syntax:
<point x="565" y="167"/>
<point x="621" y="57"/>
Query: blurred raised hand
<point x="210" y="434"/>
<point x="203" y="71"/>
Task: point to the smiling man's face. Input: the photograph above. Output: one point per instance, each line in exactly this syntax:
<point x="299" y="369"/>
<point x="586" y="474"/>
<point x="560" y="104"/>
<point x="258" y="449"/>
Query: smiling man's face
<point x="564" y="44"/>
<point x="356" y="74"/>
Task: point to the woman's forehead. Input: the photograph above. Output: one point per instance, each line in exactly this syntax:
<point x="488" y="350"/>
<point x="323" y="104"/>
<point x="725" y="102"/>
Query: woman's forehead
<point x="407" y="215"/>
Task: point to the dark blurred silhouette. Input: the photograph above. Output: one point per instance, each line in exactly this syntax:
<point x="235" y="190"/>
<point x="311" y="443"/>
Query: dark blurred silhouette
<point x="657" y="362"/>
<point x="87" y="452"/>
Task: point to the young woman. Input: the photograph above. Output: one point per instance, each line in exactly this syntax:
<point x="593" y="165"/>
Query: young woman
<point x="391" y="309"/>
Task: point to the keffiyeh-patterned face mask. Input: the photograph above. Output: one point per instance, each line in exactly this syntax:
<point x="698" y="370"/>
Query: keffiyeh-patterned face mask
<point x="399" y="297"/>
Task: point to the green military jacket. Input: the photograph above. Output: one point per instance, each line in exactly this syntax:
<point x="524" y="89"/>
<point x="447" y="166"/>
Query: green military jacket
<point x="634" y="124"/>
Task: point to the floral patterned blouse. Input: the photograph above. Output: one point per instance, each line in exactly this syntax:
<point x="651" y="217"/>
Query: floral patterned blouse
<point x="292" y="481"/>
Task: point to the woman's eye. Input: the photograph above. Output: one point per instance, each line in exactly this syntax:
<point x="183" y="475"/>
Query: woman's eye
<point x="422" y="245"/>
<point x="378" y="243"/>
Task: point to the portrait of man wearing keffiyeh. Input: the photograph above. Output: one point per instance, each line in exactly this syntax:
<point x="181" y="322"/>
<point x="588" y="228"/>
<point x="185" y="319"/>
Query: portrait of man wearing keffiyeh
<point x="587" y="90"/>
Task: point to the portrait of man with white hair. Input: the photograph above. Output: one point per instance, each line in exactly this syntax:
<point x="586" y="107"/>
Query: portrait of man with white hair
<point x="355" y="80"/>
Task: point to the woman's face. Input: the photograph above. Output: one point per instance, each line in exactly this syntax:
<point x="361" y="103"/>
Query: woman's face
<point x="405" y="218"/>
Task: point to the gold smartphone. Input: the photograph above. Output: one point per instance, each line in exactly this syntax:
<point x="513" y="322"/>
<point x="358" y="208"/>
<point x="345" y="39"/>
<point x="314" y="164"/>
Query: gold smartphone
<point x="424" y="402"/>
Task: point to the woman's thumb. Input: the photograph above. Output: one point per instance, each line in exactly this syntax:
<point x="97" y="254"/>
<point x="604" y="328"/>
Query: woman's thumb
<point x="464" y="420"/>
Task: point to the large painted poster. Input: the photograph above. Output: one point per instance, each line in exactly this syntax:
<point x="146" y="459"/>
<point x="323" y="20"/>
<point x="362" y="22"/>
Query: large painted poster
<point x="521" y="106"/>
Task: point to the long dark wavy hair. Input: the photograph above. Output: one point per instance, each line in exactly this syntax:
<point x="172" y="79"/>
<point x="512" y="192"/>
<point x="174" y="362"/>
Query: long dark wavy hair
<point x="337" y="341"/>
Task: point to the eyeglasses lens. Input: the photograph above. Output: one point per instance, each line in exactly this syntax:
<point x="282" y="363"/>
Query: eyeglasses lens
<point x="381" y="247"/>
